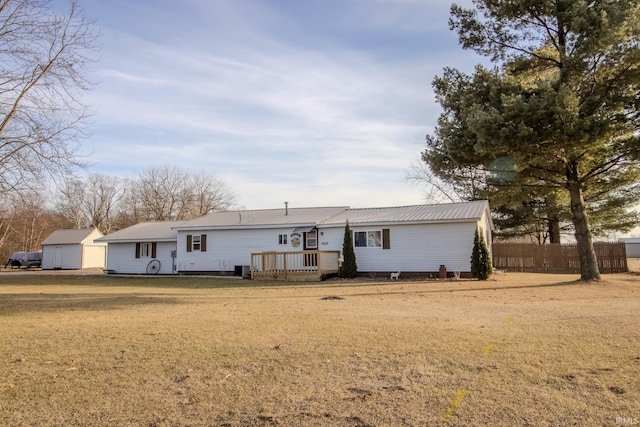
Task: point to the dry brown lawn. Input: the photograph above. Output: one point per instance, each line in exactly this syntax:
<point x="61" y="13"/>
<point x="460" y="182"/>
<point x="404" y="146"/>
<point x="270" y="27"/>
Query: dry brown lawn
<point x="521" y="349"/>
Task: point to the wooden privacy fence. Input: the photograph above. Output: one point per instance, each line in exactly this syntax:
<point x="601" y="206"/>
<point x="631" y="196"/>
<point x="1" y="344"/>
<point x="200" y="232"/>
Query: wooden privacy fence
<point x="556" y="258"/>
<point x="301" y="265"/>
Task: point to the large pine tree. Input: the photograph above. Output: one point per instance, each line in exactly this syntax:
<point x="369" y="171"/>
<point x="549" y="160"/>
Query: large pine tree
<point x="559" y="115"/>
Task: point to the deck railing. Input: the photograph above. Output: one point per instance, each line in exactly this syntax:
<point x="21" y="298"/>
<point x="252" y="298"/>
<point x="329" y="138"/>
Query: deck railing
<point x="302" y="265"/>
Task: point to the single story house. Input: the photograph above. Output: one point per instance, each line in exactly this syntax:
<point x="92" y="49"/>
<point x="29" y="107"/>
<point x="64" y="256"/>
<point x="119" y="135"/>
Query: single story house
<point x="144" y="248"/>
<point x="222" y="242"/>
<point x="414" y="240"/>
<point x="74" y="249"/>
<point x="632" y="246"/>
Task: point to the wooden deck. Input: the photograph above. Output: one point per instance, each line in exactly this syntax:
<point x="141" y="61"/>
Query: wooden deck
<point x="294" y="266"/>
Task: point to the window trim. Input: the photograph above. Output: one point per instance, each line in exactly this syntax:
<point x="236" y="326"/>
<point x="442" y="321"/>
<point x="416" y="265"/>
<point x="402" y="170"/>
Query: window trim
<point x="311" y="236"/>
<point x="196" y="243"/>
<point x="383" y="242"/>
<point x="191" y="243"/>
<point x="283" y="239"/>
<point x="146" y="249"/>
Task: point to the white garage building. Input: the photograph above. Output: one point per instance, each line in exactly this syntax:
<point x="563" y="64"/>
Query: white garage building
<point x="632" y="245"/>
<point x="74" y="249"/>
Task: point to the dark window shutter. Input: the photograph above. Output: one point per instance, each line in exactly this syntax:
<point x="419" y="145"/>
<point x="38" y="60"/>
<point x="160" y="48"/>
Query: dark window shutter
<point x="203" y="243"/>
<point x="153" y="250"/>
<point x="386" y="240"/>
<point x="137" y="250"/>
<point x="189" y="246"/>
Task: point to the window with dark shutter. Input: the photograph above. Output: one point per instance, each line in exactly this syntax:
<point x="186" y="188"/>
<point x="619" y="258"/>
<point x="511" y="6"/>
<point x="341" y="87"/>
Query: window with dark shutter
<point x="196" y="242"/>
<point x="386" y="240"/>
<point x="153" y="249"/>
<point x="188" y="242"/>
<point x="203" y="243"/>
<point x="137" y="250"/>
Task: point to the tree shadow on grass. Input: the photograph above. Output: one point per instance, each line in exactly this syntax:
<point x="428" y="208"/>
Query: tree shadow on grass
<point x="13" y="304"/>
<point x="138" y="281"/>
<point x="477" y="288"/>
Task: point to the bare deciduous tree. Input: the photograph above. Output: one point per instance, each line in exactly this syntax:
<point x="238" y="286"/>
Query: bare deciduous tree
<point x="26" y="222"/>
<point x="91" y="203"/>
<point x="43" y="60"/>
<point x="210" y="194"/>
<point x="160" y="193"/>
<point x="163" y="192"/>
<point x="70" y="202"/>
<point x="172" y="193"/>
<point x="437" y="190"/>
<point x="102" y="196"/>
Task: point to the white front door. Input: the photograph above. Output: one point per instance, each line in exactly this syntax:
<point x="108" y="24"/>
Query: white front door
<point x="57" y="257"/>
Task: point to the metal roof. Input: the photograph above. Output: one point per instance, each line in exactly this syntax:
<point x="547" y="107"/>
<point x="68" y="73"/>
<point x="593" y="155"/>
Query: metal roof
<point x="300" y="217"/>
<point x="446" y="212"/>
<point x="69" y="237"/>
<point x="265" y="217"/>
<point x="144" y="231"/>
<point x="629" y="239"/>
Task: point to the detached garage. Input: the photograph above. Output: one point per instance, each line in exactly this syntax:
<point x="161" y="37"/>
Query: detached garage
<point x="74" y="250"/>
<point x="632" y="245"/>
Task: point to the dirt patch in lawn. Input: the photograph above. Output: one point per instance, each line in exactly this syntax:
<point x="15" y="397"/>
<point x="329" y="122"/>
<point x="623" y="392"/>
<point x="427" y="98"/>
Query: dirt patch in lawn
<point x="522" y="349"/>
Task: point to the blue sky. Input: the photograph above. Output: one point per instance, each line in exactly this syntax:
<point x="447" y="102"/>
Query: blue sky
<point x="316" y="102"/>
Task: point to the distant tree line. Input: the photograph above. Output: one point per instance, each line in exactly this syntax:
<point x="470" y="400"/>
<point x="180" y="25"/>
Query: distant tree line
<point x="108" y="203"/>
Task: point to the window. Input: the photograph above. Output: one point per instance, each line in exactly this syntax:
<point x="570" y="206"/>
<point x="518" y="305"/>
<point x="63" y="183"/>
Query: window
<point x="282" y="239"/>
<point x="367" y="239"/>
<point x="312" y="239"/>
<point x="386" y="238"/>
<point x="196" y="242"/>
<point x="145" y="250"/>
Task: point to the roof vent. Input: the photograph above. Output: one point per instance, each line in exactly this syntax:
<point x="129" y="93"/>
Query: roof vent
<point x="286" y="208"/>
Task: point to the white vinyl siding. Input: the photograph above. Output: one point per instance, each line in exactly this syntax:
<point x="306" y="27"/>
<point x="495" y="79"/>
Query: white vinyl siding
<point x="229" y="248"/>
<point x="412" y="248"/>
<point x="122" y="258"/>
<point x="94" y="256"/>
<point x="633" y="250"/>
<point x="67" y="257"/>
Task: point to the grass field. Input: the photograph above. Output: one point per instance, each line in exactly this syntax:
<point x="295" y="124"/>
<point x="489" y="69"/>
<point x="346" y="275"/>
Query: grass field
<point x="521" y="349"/>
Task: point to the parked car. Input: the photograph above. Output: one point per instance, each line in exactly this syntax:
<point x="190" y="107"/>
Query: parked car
<point x="14" y="259"/>
<point x="25" y="259"/>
